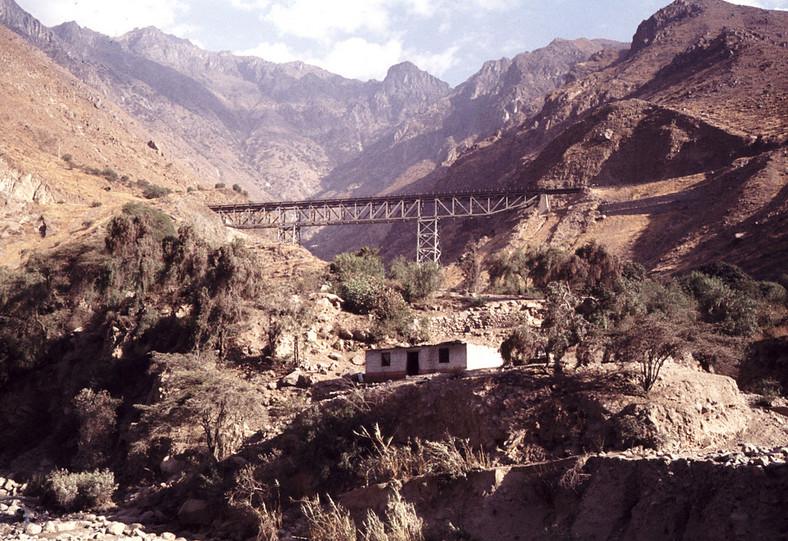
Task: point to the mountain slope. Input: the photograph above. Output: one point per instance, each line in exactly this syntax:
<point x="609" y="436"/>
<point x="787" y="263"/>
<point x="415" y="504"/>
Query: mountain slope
<point x="276" y="129"/>
<point x="693" y="118"/>
<point x="68" y="159"/>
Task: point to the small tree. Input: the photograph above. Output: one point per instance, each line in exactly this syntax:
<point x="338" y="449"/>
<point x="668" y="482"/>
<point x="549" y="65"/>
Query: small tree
<point x="470" y="263"/>
<point x="521" y="346"/>
<point x="97" y="422"/>
<point x="200" y="398"/>
<point x="650" y="342"/>
<point x="564" y="326"/>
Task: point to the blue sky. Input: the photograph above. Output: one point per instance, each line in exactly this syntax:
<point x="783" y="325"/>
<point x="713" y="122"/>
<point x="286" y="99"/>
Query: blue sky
<point x="363" y="38"/>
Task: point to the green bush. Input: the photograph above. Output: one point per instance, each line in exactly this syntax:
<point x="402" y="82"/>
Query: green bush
<point x="734" y="311"/>
<point x="81" y="491"/>
<point x="521" y="346"/>
<point x="97" y="420"/>
<point x="392" y="315"/>
<point x="237" y="188"/>
<point x="219" y="185"/>
<point x="154" y="191"/>
<point x="364" y="262"/>
<point x="416" y="281"/>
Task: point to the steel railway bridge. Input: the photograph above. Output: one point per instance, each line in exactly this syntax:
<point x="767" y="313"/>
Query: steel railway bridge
<point x="288" y="217"/>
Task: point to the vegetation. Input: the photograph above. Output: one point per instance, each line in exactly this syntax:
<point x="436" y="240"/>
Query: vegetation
<point x="416" y="281"/>
<point x="199" y="394"/>
<point x="332" y="522"/>
<point x="154" y="191"/>
<point x="81" y="491"/>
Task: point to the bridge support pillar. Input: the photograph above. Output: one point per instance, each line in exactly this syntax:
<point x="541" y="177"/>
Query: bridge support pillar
<point x="290" y="234"/>
<point x="427" y="246"/>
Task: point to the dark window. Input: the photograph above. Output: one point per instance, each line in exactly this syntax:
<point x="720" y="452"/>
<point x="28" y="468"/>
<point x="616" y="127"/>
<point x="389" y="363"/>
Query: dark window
<point x="385" y="358"/>
<point x="443" y="355"/>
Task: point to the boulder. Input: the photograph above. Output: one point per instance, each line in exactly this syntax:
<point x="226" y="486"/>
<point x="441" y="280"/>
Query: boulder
<point x="116" y="528"/>
<point x="290" y="380"/>
<point x="195" y="512"/>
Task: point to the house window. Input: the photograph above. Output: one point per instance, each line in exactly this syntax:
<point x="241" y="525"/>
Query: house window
<point x="385" y="358"/>
<point x="443" y="355"/>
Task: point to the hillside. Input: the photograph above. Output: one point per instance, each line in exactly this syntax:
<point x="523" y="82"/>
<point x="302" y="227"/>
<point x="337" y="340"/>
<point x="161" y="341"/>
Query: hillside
<point x="69" y="159"/>
<point x="681" y="142"/>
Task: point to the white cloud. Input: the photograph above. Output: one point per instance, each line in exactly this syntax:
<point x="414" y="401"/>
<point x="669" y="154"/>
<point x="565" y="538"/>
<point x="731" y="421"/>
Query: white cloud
<point x="319" y="19"/>
<point x="112" y="20"/>
<point x="437" y="64"/>
<point x="273" y="52"/>
<point x="764" y="4"/>
<point x="357" y="58"/>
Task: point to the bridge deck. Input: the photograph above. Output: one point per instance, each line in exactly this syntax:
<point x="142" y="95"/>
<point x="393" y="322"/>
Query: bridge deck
<point x="288" y="217"/>
<point x="379" y="209"/>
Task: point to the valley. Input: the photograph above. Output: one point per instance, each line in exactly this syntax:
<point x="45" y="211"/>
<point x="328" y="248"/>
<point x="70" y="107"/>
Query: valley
<point x="165" y="376"/>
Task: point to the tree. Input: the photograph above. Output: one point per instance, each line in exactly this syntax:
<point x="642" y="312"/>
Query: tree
<point x="470" y="263"/>
<point x="522" y="346"/>
<point x="650" y="342"/>
<point x="97" y="423"/>
<point x="564" y="326"/>
<point x="201" y="402"/>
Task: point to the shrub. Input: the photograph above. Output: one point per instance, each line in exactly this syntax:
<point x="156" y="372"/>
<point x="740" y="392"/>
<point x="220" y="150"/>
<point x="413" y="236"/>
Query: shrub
<point x="109" y="174"/>
<point x="154" y="191"/>
<point x="509" y="272"/>
<point x="97" y="419"/>
<point x="95" y="204"/>
<point x="237" y="188"/>
<point x="470" y="264"/>
<point x="81" y="491"/>
<point x="219" y="185"/>
<point x="521" y="346"/>
<point x="364" y="262"/>
<point x="734" y="311"/>
<point x="416" y="281"/>
<point x="392" y="315"/>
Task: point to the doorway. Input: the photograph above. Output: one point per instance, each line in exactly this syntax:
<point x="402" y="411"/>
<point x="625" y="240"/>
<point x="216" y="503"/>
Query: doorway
<point x="412" y="368"/>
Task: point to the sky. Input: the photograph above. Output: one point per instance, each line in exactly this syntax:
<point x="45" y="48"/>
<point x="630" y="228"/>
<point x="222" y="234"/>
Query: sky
<point x="361" y="39"/>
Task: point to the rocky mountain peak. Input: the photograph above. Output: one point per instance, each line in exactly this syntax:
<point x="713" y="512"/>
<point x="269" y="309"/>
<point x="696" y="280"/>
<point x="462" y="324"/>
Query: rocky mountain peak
<point x="407" y="77"/>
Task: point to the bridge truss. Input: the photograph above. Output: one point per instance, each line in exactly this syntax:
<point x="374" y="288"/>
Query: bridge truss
<point x="288" y="217"/>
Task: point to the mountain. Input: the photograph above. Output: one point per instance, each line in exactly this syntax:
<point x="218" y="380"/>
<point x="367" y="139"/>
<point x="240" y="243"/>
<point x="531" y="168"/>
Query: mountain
<point x="680" y="142"/>
<point x="275" y="129"/>
<point x="69" y="159"/>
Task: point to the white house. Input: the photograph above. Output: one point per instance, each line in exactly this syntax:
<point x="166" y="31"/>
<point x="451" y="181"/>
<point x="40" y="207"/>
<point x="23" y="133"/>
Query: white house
<point x="394" y="363"/>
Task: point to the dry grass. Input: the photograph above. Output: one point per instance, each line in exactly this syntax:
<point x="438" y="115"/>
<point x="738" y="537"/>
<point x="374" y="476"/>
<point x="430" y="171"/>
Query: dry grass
<point x="453" y="456"/>
<point x="332" y="522"/>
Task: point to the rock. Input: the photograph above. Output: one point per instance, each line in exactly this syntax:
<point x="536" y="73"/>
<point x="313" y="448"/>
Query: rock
<point x="65" y="526"/>
<point x="290" y="380"/>
<point x="358" y="360"/>
<point x="360" y="335"/>
<point x="345" y="334"/>
<point x="334" y="356"/>
<point x="33" y="529"/>
<point x="116" y="528"/>
<point x="168" y="536"/>
<point x="171" y="467"/>
<point x="195" y="512"/>
<point x="304" y="381"/>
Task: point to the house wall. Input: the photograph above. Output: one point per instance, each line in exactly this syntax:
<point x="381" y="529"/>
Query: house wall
<point x="429" y="361"/>
<point x="483" y="357"/>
